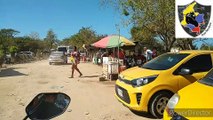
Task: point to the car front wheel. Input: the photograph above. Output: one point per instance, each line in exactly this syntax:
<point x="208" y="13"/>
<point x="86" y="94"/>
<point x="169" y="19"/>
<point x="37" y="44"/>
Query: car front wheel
<point x="158" y="103"/>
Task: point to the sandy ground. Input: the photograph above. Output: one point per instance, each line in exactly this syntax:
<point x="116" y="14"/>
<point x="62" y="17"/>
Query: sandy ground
<point x="91" y="99"/>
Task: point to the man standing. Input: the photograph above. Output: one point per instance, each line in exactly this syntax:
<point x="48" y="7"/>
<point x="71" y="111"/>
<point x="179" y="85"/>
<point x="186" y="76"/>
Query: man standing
<point x="147" y="54"/>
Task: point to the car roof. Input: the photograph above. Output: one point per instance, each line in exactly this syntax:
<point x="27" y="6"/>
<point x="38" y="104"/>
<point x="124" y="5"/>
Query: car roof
<point x="63" y="46"/>
<point x="195" y="51"/>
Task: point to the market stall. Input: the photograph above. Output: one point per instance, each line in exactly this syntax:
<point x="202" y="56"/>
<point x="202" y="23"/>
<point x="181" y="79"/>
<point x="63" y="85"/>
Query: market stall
<point x="111" y="64"/>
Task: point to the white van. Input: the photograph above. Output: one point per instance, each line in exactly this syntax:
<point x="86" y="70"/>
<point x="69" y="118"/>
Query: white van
<point x="65" y="49"/>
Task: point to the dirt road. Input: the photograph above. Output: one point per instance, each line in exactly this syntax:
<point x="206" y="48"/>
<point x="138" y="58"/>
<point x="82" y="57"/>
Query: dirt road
<point x="91" y="99"/>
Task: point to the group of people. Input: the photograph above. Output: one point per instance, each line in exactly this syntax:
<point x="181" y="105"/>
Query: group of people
<point x="150" y="54"/>
<point x="137" y="59"/>
<point x="131" y="59"/>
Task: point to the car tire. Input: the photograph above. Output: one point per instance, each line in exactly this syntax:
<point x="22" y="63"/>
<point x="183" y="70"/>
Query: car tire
<point x="158" y="103"/>
<point x="50" y="63"/>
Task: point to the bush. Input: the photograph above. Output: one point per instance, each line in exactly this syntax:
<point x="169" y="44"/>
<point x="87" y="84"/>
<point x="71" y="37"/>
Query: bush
<point x="13" y="49"/>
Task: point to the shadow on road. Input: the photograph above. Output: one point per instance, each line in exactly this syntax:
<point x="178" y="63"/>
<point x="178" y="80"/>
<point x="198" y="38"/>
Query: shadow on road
<point x="143" y="114"/>
<point x="58" y="64"/>
<point x="89" y="76"/>
<point x="10" y="72"/>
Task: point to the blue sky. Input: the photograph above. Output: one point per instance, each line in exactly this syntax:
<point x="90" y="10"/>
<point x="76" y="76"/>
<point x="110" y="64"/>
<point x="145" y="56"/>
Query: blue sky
<point x="65" y="17"/>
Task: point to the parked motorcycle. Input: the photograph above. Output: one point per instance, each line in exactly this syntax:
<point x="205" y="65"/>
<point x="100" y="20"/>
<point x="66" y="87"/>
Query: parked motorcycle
<point x="47" y="106"/>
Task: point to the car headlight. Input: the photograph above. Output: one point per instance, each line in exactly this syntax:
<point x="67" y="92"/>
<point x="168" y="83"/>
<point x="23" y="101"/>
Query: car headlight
<point x="143" y="81"/>
<point x="172" y="103"/>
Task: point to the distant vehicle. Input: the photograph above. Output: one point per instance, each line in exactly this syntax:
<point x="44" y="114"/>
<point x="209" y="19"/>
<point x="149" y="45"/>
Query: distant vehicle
<point x="26" y="55"/>
<point x="65" y="49"/>
<point x="57" y="57"/>
<point x="8" y="58"/>
<point x="29" y="53"/>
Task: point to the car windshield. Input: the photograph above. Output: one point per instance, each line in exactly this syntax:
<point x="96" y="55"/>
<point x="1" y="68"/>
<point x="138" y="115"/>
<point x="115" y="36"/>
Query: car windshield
<point x="63" y="49"/>
<point x="164" y="61"/>
<point x="208" y="79"/>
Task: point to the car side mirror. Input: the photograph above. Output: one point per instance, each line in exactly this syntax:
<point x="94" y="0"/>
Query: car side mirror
<point x="185" y="71"/>
<point x="47" y="106"/>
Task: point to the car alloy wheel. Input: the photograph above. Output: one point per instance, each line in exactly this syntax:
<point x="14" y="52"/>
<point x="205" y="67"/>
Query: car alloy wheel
<point x="158" y="103"/>
<point x="161" y="105"/>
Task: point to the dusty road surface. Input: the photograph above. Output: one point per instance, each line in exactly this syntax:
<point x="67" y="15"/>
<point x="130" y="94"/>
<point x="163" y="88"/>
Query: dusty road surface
<point x="91" y="99"/>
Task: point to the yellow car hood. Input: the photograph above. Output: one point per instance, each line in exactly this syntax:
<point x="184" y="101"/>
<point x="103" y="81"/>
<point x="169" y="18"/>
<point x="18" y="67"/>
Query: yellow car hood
<point x="196" y="96"/>
<point x="137" y="72"/>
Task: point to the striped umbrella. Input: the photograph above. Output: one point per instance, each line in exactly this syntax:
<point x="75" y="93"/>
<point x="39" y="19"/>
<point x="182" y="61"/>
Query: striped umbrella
<point x="113" y="41"/>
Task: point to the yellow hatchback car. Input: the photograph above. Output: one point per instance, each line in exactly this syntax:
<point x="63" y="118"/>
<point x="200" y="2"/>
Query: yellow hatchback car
<point x="194" y="102"/>
<point x="149" y="88"/>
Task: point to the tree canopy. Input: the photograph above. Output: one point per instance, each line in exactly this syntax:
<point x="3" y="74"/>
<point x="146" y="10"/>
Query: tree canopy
<point x="6" y="37"/>
<point x="153" y="21"/>
<point x="50" y="39"/>
<point x="85" y="36"/>
<point x="9" y="43"/>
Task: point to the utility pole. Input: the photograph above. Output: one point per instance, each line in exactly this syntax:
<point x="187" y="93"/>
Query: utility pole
<point x="118" y="28"/>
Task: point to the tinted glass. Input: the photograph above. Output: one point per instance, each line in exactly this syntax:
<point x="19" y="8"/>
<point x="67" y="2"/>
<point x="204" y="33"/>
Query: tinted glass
<point x="200" y="63"/>
<point x="208" y="79"/>
<point x="47" y="105"/>
<point x="64" y="49"/>
<point x="164" y="61"/>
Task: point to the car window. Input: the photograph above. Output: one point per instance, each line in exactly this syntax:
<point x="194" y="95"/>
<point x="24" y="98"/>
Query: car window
<point x="208" y="79"/>
<point x="63" y="49"/>
<point x="200" y="63"/>
<point x="164" y="61"/>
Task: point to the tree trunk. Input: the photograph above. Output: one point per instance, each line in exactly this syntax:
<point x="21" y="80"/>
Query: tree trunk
<point x="1" y="61"/>
<point x="13" y="58"/>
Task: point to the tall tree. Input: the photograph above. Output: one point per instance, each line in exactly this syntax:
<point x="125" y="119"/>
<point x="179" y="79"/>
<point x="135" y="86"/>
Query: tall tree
<point x="34" y="36"/>
<point x="50" y="39"/>
<point x="206" y="47"/>
<point x="151" y="19"/>
<point x="9" y="33"/>
<point x="6" y="38"/>
<point x="185" y="44"/>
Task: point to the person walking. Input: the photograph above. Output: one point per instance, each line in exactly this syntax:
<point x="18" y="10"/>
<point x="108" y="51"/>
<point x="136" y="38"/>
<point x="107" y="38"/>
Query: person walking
<point x="75" y="58"/>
